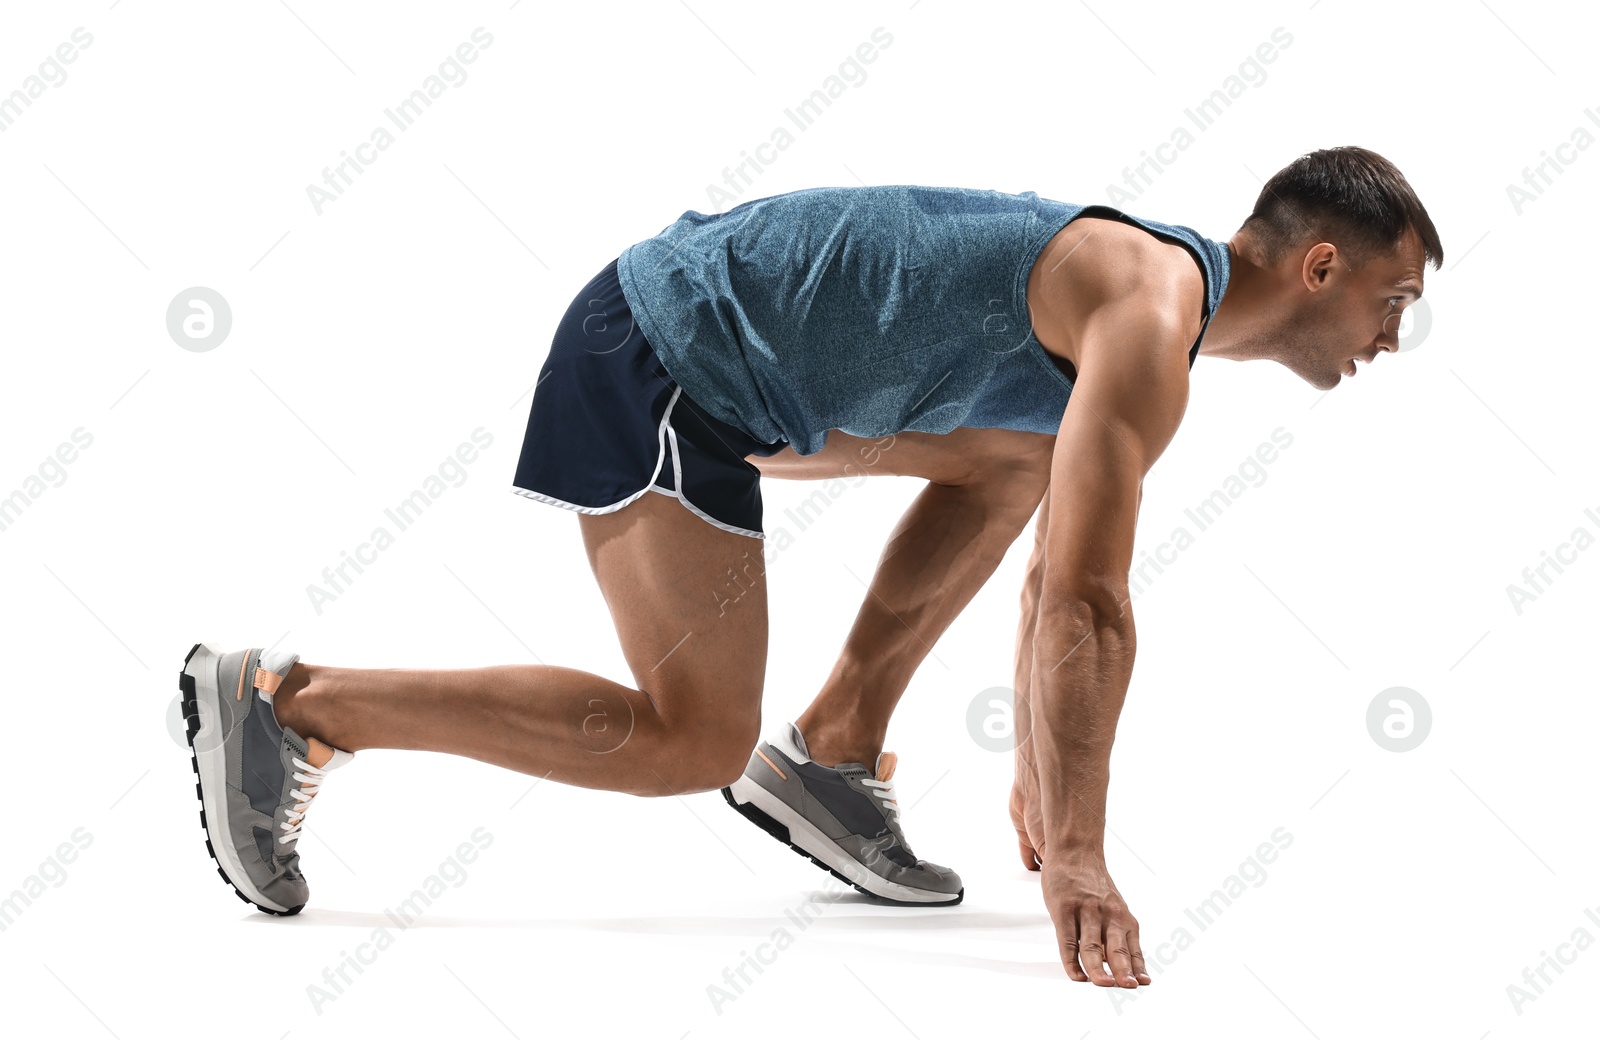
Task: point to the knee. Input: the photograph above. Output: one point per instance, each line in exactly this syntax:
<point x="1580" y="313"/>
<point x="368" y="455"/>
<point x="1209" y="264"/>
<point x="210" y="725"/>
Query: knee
<point x="1030" y="466"/>
<point x="708" y="754"/>
<point x="1017" y="464"/>
<point x="718" y="769"/>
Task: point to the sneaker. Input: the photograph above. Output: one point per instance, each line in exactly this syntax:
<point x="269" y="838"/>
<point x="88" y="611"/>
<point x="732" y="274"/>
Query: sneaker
<point x="844" y="818"/>
<point x="255" y="777"/>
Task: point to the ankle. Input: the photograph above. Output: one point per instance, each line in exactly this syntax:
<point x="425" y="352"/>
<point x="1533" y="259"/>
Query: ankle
<point x="830" y="744"/>
<point x="294" y="704"/>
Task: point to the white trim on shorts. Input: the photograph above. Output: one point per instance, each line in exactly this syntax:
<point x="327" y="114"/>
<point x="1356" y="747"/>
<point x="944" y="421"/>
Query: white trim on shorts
<point x="662" y="430"/>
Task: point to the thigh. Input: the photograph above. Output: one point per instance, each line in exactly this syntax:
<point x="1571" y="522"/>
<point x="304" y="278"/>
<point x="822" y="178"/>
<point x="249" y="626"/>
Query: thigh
<point x="689" y="602"/>
<point x="964" y="455"/>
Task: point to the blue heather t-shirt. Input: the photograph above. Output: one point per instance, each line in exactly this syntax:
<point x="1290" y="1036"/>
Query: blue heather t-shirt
<point x="870" y="310"/>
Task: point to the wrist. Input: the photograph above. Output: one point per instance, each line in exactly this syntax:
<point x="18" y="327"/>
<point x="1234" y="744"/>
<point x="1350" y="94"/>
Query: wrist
<point x="1066" y="841"/>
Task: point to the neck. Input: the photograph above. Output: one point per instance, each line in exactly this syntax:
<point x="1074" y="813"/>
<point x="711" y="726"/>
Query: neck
<point x="1238" y="326"/>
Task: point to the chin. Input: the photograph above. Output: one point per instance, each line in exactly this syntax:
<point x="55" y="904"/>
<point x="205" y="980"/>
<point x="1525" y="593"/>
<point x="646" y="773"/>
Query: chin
<point x="1322" y="379"/>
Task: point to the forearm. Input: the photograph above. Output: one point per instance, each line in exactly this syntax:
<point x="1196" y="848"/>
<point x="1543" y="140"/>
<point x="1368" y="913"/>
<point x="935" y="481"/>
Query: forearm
<point x="1081" y="669"/>
<point x="1027" y="770"/>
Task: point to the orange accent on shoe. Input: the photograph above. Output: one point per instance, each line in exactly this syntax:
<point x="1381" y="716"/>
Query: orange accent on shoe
<point x="886" y="764"/>
<point x="317" y="753"/>
<point x="240" y="695"/>
<point x="769" y="762"/>
<point x="268" y="681"/>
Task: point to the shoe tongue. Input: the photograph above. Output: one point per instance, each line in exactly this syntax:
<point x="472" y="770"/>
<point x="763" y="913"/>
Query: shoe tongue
<point x="314" y="752"/>
<point x="324" y="757"/>
<point x="278" y="662"/>
<point x="318" y="753"/>
<point x="886" y="764"/>
<point x="799" y="742"/>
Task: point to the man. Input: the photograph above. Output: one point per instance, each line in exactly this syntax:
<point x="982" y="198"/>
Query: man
<point x="1009" y="349"/>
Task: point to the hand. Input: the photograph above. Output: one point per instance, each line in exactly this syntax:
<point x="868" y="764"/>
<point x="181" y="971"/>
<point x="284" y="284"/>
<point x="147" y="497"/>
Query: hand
<point x="1028" y="821"/>
<point x="1093" y="924"/>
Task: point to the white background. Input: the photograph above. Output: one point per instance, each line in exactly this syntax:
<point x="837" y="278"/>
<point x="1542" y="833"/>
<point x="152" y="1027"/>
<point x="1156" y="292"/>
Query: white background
<point x="368" y="341"/>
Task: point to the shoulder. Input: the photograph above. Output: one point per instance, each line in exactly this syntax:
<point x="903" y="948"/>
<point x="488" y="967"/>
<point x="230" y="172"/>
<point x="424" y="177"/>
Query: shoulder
<point x="1098" y="270"/>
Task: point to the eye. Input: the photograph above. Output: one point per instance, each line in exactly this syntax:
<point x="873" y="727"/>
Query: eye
<point x="1395" y="299"/>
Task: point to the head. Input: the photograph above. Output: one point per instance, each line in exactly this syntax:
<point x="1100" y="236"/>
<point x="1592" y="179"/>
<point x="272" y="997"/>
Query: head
<point x="1338" y="242"/>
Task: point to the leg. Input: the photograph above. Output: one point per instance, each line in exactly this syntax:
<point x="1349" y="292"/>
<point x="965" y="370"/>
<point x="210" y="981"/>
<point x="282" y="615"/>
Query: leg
<point x="983" y="485"/>
<point x="698" y="659"/>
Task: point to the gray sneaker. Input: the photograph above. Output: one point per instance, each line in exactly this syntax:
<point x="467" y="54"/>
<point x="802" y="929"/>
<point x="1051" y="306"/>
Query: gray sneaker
<point x="844" y="818"/>
<point x="255" y="777"/>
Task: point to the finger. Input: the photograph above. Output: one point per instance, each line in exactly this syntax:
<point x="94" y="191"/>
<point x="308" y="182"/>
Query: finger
<point x="1092" y="948"/>
<point x="1030" y="858"/>
<point x="1068" y="937"/>
<point x="1136" y="955"/>
<point x="1019" y="822"/>
<point x="1120" y="957"/>
<point x="1035" y="823"/>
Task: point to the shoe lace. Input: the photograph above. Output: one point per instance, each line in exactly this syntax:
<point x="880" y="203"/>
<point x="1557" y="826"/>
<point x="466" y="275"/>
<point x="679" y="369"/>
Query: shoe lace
<point x="884" y="789"/>
<point x="311" y="783"/>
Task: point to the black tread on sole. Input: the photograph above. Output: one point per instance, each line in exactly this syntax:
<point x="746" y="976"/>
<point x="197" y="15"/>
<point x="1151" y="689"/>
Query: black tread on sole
<point x="191" y="715"/>
<point x="750" y="812"/>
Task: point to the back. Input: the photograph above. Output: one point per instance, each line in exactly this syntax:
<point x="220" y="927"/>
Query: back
<point x="869" y="310"/>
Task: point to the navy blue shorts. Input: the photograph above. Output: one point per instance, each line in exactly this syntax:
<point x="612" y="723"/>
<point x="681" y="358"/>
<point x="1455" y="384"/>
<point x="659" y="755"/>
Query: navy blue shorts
<point x="609" y="424"/>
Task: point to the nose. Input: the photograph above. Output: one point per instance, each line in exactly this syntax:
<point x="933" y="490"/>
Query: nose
<point x="1388" y="340"/>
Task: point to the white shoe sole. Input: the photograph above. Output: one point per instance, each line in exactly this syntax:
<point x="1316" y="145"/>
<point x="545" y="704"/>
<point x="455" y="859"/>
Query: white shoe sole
<point x="805" y="838"/>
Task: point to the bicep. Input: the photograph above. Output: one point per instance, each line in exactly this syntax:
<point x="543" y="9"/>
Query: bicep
<point x="1130" y="396"/>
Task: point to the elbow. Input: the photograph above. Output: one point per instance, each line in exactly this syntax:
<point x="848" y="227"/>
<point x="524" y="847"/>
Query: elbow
<point x="1076" y="632"/>
<point x="1098" y="620"/>
<point x="1101" y="606"/>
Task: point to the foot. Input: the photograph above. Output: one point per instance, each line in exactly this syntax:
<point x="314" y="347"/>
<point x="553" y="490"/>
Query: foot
<point x="844" y="818"/>
<point x="256" y="778"/>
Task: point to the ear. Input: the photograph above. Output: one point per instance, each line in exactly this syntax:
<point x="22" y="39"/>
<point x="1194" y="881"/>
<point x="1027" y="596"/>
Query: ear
<point x="1318" y="265"/>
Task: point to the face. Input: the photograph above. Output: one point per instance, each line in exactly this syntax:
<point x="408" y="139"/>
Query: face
<point x="1345" y="318"/>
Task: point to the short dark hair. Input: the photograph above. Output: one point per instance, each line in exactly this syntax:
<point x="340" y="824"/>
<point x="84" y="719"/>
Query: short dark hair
<point x="1350" y="196"/>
